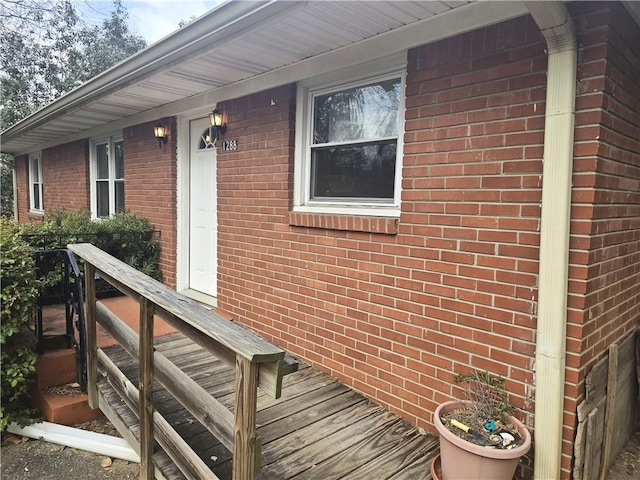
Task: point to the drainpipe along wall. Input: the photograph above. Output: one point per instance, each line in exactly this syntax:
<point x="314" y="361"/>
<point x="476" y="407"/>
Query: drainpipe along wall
<point x="557" y="28"/>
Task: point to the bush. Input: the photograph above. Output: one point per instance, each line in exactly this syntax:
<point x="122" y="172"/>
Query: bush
<point x="126" y="236"/>
<point x="17" y="357"/>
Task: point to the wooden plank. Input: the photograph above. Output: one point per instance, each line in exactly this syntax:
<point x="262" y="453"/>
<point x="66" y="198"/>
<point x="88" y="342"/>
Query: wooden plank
<point x="593" y="447"/>
<point x="289" y="433"/>
<point x="92" y="343"/>
<point x="625" y="408"/>
<point x="328" y="447"/>
<point x="267" y="381"/>
<point x="128" y="279"/>
<point x="612" y="386"/>
<point x="211" y="413"/>
<point x="189" y="463"/>
<point x="372" y="446"/>
<point x="596" y="382"/>
<point x="387" y="463"/>
<point x="246" y="447"/>
<point x="145" y="389"/>
<point x="578" y="450"/>
<point x="589" y="445"/>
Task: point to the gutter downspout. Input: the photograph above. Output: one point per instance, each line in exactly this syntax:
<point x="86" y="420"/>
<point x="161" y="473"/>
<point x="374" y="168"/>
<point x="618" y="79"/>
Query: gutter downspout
<point x="557" y="28"/>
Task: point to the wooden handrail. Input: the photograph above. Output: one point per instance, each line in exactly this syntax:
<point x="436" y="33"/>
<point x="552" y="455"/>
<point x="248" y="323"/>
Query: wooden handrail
<point x="136" y="284"/>
<point x="257" y="362"/>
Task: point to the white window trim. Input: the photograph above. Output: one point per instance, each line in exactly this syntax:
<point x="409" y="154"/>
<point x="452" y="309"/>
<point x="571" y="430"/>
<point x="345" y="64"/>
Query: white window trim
<point x="392" y="67"/>
<point x="93" y="173"/>
<point x="37" y="157"/>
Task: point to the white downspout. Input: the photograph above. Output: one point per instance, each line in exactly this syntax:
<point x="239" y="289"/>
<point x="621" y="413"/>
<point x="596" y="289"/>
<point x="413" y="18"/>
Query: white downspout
<point x="556" y="26"/>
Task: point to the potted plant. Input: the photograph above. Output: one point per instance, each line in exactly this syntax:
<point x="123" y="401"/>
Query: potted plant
<point x="479" y="438"/>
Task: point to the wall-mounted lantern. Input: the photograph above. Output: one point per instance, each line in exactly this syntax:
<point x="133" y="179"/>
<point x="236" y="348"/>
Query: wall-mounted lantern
<point x="218" y="127"/>
<point x="161" y="133"/>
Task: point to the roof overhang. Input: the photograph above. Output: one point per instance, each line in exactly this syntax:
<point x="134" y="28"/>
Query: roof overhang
<point x="241" y="48"/>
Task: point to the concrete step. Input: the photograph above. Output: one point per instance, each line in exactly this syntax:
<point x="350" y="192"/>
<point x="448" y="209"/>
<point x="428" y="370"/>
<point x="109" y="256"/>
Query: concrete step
<point x="63" y="408"/>
<point x="56" y="367"/>
<point x="53" y="395"/>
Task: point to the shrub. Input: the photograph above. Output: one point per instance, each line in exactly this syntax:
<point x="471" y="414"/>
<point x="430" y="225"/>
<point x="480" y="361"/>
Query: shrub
<point x="126" y="236"/>
<point x="17" y="357"/>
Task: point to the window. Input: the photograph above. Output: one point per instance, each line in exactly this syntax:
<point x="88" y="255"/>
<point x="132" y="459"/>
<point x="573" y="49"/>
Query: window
<point x="349" y="154"/>
<point x="36" y="201"/>
<point x="107" y="194"/>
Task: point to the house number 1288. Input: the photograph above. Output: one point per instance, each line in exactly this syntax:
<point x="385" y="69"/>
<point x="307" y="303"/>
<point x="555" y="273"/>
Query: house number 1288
<point x="229" y="145"/>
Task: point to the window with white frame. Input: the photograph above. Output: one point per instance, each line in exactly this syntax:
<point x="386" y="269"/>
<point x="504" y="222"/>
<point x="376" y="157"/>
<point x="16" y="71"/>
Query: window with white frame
<point x="107" y="193"/>
<point x="36" y="200"/>
<point x="349" y="153"/>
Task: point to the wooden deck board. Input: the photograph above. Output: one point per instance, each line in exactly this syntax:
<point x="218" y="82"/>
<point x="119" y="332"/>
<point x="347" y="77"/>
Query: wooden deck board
<point x="318" y="429"/>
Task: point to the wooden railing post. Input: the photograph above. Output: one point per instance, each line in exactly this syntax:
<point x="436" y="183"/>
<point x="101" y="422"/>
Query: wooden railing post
<point x="245" y="441"/>
<point x="147" y="310"/>
<point x="92" y="343"/>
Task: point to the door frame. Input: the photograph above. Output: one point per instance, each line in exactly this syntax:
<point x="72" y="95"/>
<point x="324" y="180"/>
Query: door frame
<point x="183" y="153"/>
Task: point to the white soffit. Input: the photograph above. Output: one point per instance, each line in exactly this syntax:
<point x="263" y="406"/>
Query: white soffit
<point x="251" y="46"/>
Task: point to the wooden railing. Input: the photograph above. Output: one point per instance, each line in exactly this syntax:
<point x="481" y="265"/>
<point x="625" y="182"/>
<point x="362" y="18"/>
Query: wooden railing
<point x="257" y="362"/>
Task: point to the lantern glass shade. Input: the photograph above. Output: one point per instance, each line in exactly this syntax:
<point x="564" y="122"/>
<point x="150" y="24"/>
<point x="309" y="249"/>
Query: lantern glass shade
<point x="160" y="131"/>
<point x="215" y="118"/>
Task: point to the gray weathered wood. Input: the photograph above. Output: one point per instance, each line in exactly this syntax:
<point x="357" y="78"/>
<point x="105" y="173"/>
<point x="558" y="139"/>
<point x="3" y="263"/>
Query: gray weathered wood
<point x="625" y="408"/>
<point x="578" y="450"/>
<point x="92" y="343"/>
<point x="596" y="381"/>
<point x="202" y="406"/>
<point x="316" y="418"/>
<point x="587" y="472"/>
<point x="246" y="444"/>
<point x="146" y="387"/>
<point x="609" y="423"/>
<point x="189" y="463"/>
<point x="228" y="334"/>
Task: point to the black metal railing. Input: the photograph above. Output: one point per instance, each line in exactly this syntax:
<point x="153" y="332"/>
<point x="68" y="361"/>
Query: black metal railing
<point x="62" y="283"/>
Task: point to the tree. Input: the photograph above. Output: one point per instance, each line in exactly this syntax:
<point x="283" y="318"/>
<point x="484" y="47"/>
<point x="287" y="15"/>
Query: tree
<point x="47" y="50"/>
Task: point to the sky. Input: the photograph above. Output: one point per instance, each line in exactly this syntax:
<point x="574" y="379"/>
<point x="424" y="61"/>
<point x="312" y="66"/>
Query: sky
<point x="152" y="20"/>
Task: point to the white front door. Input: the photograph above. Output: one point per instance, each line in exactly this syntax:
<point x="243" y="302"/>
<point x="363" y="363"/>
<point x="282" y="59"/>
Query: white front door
<point x="203" y="210"/>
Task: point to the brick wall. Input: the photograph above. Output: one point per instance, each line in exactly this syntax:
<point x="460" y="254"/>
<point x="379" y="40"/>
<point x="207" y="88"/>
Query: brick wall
<point x="394" y="309"/>
<point x="396" y="315"/>
<point x="65" y="170"/>
<point x="150" y="174"/>
<point x="604" y="301"/>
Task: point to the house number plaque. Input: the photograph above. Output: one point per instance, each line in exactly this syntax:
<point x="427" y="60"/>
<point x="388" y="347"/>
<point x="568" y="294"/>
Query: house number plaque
<point x="229" y="145"/>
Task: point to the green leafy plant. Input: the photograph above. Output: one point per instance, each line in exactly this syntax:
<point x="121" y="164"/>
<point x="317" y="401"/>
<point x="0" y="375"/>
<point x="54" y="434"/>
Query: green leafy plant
<point x="17" y="355"/>
<point x="126" y="236"/>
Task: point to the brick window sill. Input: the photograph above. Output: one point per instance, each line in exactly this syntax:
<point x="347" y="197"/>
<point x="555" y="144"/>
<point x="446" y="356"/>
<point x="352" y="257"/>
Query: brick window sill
<point x="353" y="223"/>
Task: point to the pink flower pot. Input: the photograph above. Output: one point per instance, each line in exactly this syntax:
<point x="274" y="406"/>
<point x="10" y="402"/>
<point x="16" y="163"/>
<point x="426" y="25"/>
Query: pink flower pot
<point x="463" y="460"/>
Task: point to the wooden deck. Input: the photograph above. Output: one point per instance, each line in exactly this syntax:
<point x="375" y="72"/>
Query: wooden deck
<point x="318" y="429"/>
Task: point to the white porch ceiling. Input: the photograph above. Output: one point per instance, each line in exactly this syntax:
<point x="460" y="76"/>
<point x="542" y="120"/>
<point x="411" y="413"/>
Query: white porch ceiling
<point x="238" y="44"/>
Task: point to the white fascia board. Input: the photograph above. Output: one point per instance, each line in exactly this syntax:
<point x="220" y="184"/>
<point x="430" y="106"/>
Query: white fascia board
<point x="192" y="40"/>
<point x="459" y="20"/>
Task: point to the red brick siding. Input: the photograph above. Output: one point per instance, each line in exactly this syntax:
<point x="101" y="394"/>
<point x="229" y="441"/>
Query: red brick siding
<point x="150" y="174"/>
<point x="66" y="176"/>
<point x="604" y="271"/>
<point x="471" y="207"/>
<point x="396" y="316"/>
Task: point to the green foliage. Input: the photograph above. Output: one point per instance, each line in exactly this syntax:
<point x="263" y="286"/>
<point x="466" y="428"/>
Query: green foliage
<point x="17" y="356"/>
<point x="486" y="394"/>
<point x="46" y="50"/>
<point x="6" y="186"/>
<point x="126" y="236"/>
